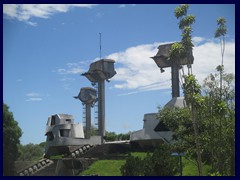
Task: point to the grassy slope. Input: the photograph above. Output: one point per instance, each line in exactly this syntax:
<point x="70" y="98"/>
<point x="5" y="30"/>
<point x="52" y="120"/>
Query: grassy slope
<point x="105" y="168"/>
<point x="112" y="167"/>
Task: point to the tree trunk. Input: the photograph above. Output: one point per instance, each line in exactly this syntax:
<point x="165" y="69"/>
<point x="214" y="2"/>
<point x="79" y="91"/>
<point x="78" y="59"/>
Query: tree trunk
<point x="196" y="134"/>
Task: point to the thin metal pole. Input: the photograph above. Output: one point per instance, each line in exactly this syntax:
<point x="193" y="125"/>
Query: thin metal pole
<point x="100" y="45"/>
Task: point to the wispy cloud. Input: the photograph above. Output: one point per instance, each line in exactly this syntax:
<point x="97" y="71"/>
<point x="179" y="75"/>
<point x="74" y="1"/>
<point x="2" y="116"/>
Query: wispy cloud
<point x="24" y="12"/>
<point x="68" y="73"/>
<point x="33" y="96"/>
<point x="34" y="99"/>
<point x="196" y="40"/>
<point x="125" y="5"/>
<point x="137" y="72"/>
<point x="67" y="79"/>
<point x="135" y="69"/>
<point x="72" y="68"/>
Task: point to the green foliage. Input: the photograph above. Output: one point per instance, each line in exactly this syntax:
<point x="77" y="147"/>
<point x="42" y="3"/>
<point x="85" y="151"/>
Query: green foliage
<point x="141" y="155"/>
<point x="215" y="149"/>
<point x="11" y="135"/>
<point x="192" y="91"/>
<point x="112" y="167"/>
<point x="181" y="49"/>
<point x="181" y="10"/>
<point x="31" y="152"/>
<point x="132" y="167"/>
<point x="177" y="50"/>
<point x="112" y="136"/>
<point x="222" y="29"/>
<point x="220" y="68"/>
<point x="57" y="156"/>
<point x="159" y="163"/>
<point x="186" y="22"/>
<point x="220" y="111"/>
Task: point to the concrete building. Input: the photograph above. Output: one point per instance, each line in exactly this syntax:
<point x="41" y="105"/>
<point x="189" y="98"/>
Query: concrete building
<point x="154" y="131"/>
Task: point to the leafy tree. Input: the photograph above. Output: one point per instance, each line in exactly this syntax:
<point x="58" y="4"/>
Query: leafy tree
<point x="159" y="163"/>
<point x="209" y="108"/>
<point x="194" y="100"/>
<point x="11" y="135"/>
<point x="220" y="33"/>
<point x="112" y="136"/>
<point x="132" y="167"/>
<point x="181" y="49"/>
<point x="31" y="152"/>
<point x="191" y="88"/>
<point x="221" y="112"/>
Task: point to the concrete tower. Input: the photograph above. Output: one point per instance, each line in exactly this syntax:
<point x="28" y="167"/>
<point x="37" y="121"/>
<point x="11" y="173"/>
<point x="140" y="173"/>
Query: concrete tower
<point x="161" y="59"/>
<point x="98" y="72"/>
<point x="88" y="96"/>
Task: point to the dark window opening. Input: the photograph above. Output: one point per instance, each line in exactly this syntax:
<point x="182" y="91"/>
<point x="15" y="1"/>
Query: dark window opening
<point x="50" y="136"/>
<point x="53" y="121"/>
<point x="64" y="132"/>
<point x="68" y="121"/>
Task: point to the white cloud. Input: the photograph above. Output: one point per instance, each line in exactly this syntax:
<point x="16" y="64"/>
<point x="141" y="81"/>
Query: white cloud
<point x="24" y="12"/>
<point x="67" y="79"/>
<point x="196" y="40"/>
<point x="33" y="96"/>
<point x="66" y="74"/>
<point x="34" y="99"/>
<point x="207" y="57"/>
<point x="72" y="68"/>
<point x="136" y="71"/>
<point x="125" y="5"/>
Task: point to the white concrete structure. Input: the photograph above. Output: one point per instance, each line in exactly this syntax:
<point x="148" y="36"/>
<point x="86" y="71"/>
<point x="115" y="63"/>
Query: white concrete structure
<point x="154" y="132"/>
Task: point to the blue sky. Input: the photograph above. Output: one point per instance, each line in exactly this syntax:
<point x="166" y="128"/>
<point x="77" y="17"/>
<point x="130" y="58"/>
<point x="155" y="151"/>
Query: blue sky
<point x="47" y="47"/>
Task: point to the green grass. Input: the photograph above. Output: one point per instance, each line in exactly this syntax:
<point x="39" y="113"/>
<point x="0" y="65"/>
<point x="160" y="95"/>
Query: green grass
<point x="105" y="168"/>
<point x="112" y="167"/>
<point x="190" y="168"/>
<point x="141" y="155"/>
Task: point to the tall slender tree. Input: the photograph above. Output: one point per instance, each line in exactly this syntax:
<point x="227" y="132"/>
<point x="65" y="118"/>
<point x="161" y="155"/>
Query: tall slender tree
<point x="191" y="88"/>
<point x="220" y="33"/>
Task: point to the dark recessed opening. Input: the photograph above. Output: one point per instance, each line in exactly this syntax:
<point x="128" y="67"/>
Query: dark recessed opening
<point x="64" y="132"/>
<point x="50" y="136"/>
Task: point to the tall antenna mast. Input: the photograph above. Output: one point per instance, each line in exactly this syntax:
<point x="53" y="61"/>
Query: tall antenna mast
<point x="100" y="44"/>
